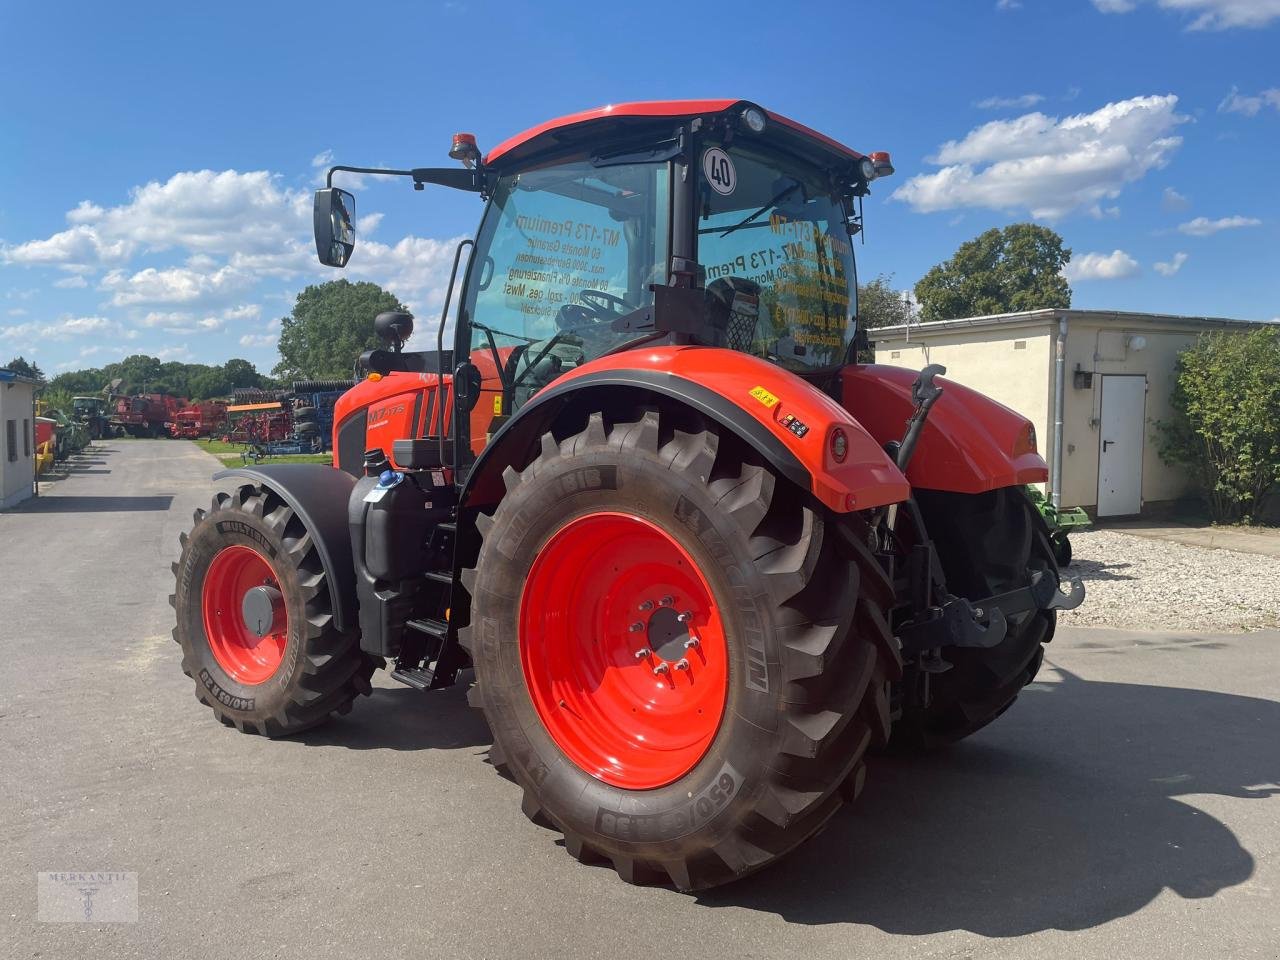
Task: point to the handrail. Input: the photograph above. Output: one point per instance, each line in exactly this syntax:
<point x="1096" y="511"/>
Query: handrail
<point x="444" y="316"/>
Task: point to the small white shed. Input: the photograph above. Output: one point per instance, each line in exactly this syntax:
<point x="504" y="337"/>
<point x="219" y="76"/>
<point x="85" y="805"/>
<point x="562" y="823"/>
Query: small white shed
<point x="1093" y="382"/>
<point x="17" y="439"/>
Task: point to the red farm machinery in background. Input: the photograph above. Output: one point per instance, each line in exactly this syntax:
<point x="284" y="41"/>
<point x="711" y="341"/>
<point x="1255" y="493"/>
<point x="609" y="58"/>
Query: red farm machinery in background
<point x="143" y="414"/>
<point x="204" y="418"/>
<point x="693" y="558"/>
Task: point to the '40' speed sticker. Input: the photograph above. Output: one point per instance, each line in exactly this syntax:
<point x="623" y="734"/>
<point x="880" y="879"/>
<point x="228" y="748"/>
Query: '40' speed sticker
<point x="719" y="171"/>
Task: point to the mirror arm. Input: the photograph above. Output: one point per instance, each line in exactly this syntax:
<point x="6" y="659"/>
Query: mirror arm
<point x="472" y="180"/>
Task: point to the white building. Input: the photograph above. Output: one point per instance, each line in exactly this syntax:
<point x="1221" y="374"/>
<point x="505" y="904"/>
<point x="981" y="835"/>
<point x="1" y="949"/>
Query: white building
<point x="1095" y="384"/>
<point x="17" y="438"/>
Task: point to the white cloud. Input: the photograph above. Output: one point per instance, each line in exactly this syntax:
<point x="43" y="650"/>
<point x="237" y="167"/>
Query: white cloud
<point x="173" y="285"/>
<point x="1050" y="166"/>
<point x="416" y="269"/>
<point x="1172" y="201"/>
<point x="1204" y="227"/>
<point x="17" y="312"/>
<point x="202" y="211"/>
<point x="1250" y="106"/>
<point x="259" y="340"/>
<point x="180" y="352"/>
<point x="246" y="311"/>
<point x="65" y="329"/>
<point x="1003" y="103"/>
<point x="1116" y="265"/>
<point x="1008" y="4"/>
<point x="74" y="282"/>
<point x="1172" y="266"/>
<point x="1208" y="14"/>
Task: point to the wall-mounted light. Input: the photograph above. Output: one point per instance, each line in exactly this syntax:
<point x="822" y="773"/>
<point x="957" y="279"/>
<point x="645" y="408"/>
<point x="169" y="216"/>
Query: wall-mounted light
<point x="1135" y="342"/>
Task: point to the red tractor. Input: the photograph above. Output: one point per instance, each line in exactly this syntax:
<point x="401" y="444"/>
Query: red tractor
<point x="695" y="560"/>
<point x="145" y="414"/>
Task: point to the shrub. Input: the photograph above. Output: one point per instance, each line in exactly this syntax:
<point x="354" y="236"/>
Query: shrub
<point x="1226" y="422"/>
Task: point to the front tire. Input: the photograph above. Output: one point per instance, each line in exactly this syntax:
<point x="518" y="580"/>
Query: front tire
<point x="302" y="669"/>
<point x="698" y="773"/>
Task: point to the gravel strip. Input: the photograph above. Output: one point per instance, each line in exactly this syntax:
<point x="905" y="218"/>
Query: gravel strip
<point x="1140" y="583"/>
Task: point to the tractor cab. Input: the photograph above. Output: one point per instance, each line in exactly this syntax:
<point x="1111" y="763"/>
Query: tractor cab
<point x="709" y="223"/>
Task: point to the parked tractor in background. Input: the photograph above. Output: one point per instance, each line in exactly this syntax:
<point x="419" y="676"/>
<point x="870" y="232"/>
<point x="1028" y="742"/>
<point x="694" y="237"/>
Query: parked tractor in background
<point x="91" y="413"/>
<point x="696" y="561"/>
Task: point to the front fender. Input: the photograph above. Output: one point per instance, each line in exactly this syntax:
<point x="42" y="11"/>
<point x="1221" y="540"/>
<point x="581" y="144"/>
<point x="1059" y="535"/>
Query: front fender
<point x="969" y="444"/>
<point x="318" y="495"/>
<point x="788" y="421"/>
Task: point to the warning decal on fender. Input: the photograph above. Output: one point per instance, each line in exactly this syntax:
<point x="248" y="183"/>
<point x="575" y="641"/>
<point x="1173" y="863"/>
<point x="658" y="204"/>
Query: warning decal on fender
<point x="764" y="396"/>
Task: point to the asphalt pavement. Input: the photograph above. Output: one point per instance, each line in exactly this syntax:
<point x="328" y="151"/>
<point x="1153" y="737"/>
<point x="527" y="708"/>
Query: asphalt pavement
<point x="1124" y="808"/>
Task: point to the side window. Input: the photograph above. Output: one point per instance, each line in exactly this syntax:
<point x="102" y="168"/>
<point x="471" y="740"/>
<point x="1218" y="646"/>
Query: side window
<point x="11" y="438"/>
<point x="26" y="438"/>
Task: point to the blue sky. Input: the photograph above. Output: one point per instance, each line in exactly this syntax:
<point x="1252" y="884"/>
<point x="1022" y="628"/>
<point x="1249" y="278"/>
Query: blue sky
<point x="156" y="160"/>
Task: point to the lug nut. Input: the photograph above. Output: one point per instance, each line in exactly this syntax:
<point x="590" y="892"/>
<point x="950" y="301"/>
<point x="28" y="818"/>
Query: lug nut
<point x="647" y="605"/>
<point x="643" y="653"/>
<point x="685" y="617"/>
<point x="667" y="601"/>
<point x="636" y="627"/>
<point x="660" y="669"/>
<point x="682" y="664"/>
<point x="691" y="643"/>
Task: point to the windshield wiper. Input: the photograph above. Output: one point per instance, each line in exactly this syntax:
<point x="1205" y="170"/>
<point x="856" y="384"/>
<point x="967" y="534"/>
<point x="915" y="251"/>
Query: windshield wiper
<point x="774" y="201"/>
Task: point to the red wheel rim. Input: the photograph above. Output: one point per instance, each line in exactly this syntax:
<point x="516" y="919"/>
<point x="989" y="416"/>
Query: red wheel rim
<point x="246" y="657"/>
<point x="631" y="692"/>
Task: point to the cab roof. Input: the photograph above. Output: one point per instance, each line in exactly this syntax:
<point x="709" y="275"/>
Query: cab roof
<point x="572" y="127"/>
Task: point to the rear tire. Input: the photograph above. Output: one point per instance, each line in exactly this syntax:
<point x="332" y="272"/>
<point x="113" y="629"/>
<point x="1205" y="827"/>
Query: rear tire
<point x="987" y="543"/>
<point x="313" y="670"/>
<point x="808" y="656"/>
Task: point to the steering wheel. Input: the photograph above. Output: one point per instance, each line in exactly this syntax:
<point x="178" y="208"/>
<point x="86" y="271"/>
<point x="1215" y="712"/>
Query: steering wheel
<point x="605" y="305"/>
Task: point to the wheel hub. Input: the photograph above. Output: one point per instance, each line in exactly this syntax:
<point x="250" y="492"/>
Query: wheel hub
<point x="623" y="650"/>
<point x="261" y="608"/>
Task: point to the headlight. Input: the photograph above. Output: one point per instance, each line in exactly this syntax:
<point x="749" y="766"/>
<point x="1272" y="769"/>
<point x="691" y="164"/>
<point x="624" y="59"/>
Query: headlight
<point x="868" y="169"/>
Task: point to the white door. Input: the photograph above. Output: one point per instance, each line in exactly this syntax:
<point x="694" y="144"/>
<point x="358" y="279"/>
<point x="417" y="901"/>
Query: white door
<point x="1124" y="409"/>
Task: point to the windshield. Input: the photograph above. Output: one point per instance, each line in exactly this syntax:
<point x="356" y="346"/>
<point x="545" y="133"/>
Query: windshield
<point x="564" y="251"/>
<point x="773" y="243"/>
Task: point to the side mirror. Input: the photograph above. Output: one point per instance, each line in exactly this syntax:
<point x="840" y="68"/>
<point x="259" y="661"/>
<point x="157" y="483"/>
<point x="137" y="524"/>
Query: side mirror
<point x="394" y="327"/>
<point x="335" y="226"/>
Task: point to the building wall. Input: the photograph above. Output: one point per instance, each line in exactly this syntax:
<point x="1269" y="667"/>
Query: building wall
<point x="1101" y="348"/>
<point x="15" y="477"/>
<point x="1012" y="364"/>
<point x="988" y="359"/>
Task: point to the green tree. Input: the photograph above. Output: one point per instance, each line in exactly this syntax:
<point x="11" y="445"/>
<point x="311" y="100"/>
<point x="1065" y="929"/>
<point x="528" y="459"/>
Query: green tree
<point x="1000" y="271"/>
<point x="331" y="324"/>
<point x="25" y="368"/>
<point x="880" y="305"/>
<point x="1226" y="422"/>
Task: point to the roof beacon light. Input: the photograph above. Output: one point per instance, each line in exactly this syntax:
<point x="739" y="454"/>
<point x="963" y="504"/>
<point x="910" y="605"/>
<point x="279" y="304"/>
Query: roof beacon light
<point x="884" y="166"/>
<point x="753" y="119"/>
<point x="464" y="148"/>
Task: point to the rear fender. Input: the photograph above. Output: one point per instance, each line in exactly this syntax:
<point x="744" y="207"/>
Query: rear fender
<point x="969" y="444"/>
<point x="787" y="421"/>
<point x="318" y="495"/>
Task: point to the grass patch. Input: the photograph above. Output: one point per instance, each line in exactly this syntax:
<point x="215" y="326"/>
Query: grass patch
<point x="232" y="454"/>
